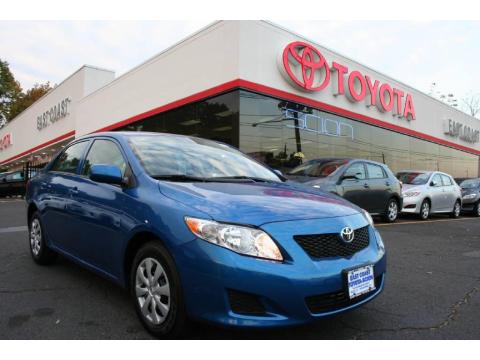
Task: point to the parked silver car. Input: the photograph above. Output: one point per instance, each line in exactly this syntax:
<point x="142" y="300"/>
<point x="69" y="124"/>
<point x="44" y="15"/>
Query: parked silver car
<point x="428" y="192"/>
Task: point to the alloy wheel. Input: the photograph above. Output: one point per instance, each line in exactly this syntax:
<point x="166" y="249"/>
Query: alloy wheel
<point x="392" y="210"/>
<point x="456" y="209"/>
<point x="152" y="290"/>
<point x="425" y="210"/>
<point x="35" y="236"/>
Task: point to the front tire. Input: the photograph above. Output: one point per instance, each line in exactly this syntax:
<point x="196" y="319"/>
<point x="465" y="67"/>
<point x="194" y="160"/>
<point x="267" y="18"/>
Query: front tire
<point x="457" y="208"/>
<point x="39" y="250"/>
<point x="424" y="210"/>
<point x="156" y="291"/>
<point x="391" y="212"/>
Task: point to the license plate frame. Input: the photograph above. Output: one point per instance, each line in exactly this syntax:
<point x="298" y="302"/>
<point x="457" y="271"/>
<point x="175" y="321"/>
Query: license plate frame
<point x="352" y="276"/>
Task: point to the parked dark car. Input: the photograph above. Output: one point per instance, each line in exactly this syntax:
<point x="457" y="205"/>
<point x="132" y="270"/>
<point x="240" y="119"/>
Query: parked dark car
<point x="12" y="184"/>
<point x="368" y="184"/>
<point x="471" y="196"/>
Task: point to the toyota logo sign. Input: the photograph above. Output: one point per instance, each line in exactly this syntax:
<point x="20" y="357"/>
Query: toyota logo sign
<point x="347" y="234"/>
<point x="307" y="68"/>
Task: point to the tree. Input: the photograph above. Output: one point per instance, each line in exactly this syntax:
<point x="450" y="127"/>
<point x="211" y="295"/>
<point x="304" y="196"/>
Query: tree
<point x="10" y="92"/>
<point x="472" y="104"/>
<point x="28" y="98"/>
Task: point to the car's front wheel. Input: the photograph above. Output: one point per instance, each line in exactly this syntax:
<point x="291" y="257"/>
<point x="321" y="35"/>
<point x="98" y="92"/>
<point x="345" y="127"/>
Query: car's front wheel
<point x="156" y="291"/>
<point x="39" y="250"/>
<point x="476" y="209"/>
<point x="391" y="212"/>
<point x="456" y="209"/>
<point x="424" y="210"/>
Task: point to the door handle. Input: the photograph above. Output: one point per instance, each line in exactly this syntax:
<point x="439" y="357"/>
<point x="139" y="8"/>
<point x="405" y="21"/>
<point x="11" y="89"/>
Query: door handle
<point x="366" y="186"/>
<point x="73" y="191"/>
<point x="387" y="183"/>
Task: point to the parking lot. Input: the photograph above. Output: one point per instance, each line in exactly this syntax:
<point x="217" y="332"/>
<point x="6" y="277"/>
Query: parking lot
<point x="432" y="291"/>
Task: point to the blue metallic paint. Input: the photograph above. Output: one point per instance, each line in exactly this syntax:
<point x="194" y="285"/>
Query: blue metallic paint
<point x="94" y="224"/>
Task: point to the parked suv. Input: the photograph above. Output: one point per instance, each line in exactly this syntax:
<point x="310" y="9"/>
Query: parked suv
<point x="471" y="196"/>
<point x="429" y="192"/>
<point x="368" y="184"/>
<point x="195" y="229"/>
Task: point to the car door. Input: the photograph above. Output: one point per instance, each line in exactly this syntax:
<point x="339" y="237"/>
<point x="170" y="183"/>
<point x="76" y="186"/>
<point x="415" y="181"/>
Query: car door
<point x="380" y="188"/>
<point x="450" y="194"/>
<point x="356" y="189"/>
<point x="56" y="186"/>
<point x="102" y="209"/>
<point x="437" y="193"/>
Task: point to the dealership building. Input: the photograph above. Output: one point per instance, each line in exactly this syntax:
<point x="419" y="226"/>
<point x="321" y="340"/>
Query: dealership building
<point x="277" y="96"/>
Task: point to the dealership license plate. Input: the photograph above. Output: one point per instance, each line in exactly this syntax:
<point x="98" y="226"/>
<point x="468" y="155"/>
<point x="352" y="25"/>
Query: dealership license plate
<point x="360" y="281"/>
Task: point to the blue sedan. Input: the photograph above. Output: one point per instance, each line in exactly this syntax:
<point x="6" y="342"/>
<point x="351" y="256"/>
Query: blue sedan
<point x="196" y="230"/>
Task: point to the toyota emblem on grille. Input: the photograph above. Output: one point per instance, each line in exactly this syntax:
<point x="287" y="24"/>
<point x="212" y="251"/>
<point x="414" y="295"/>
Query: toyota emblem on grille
<point x="347" y="234"/>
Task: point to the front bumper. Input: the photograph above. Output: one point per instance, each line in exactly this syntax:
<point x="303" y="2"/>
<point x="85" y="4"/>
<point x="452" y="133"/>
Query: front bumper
<point x="209" y="274"/>
<point x="412" y="204"/>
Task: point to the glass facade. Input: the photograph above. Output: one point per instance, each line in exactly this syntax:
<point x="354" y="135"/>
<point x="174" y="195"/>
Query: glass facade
<point x="284" y="134"/>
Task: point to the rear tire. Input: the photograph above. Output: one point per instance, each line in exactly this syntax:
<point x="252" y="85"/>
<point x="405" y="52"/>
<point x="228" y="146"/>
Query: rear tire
<point x="424" y="210"/>
<point x="39" y="250"/>
<point x="156" y="291"/>
<point x="391" y="211"/>
<point x="457" y="208"/>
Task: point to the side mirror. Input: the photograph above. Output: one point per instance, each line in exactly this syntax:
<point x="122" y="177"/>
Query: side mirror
<point x="108" y="174"/>
<point x="349" y="176"/>
<point x="278" y="172"/>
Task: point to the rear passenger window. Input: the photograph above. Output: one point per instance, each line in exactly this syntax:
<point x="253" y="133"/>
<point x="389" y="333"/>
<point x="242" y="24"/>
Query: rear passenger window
<point x="446" y="180"/>
<point x="375" y="171"/>
<point x="68" y="160"/>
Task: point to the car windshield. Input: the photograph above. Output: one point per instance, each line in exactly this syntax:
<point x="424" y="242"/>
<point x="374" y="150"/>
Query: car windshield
<point x="318" y="168"/>
<point x="413" y="178"/>
<point x="470" y="183"/>
<point x="179" y="158"/>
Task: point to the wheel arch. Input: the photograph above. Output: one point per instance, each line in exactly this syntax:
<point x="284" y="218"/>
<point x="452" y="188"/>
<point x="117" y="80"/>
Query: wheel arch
<point x="32" y="208"/>
<point x="133" y="245"/>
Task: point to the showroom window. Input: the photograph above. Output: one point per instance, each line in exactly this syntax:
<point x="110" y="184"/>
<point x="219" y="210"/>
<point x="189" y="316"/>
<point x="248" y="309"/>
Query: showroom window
<point x="284" y="135"/>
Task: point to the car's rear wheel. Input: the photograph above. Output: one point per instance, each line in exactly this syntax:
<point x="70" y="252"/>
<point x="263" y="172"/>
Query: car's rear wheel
<point x="391" y="212"/>
<point x="39" y="250"/>
<point x="456" y="209"/>
<point x="425" y="210"/>
<point x="156" y="291"/>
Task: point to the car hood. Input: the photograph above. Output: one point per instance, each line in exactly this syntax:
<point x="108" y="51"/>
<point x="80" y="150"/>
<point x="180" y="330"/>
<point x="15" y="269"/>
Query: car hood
<point x="410" y="187"/>
<point x="257" y="203"/>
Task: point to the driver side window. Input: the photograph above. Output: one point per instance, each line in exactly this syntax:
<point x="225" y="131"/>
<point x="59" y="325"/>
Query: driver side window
<point x="357" y="170"/>
<point x="104" y="152"/>
<point x="437" y="180"/>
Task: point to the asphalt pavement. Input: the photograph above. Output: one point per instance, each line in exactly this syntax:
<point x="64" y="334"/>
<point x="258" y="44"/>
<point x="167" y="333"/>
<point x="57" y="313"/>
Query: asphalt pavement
<point x="432" y="291"/>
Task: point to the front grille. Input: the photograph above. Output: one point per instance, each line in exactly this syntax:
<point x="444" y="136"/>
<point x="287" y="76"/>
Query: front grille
<point x="332" y="245"/>
<point x="245" y="304"/>
<point x="324" y="303"/>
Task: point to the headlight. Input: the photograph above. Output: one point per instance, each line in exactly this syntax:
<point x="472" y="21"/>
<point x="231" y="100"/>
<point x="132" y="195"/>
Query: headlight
<point x="411" y="193"/>
<point x="241" y="239"/>
<point x="368" y="217"/>
<point x="469" y="196"/>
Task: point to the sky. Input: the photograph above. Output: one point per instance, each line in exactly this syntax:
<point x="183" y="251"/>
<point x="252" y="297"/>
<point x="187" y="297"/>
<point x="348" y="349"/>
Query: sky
<point x="417" y="53"/>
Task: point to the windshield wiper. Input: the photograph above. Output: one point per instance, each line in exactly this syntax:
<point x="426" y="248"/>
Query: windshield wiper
<point x="179" y="177"/>
<point x="240" y="178"/>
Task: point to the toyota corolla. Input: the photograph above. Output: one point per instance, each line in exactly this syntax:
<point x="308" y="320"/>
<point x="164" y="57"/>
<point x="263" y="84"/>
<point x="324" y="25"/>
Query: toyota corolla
<point x="196" y="230"/>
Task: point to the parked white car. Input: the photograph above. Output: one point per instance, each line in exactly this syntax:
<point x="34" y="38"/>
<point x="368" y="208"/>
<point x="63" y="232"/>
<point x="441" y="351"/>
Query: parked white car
<point x="430" y="192"/>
